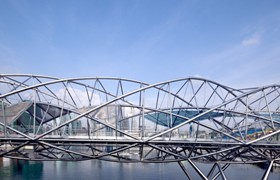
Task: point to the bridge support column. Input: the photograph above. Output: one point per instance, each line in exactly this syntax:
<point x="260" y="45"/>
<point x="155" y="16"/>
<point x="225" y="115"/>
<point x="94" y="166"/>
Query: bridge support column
<point x="197" y="170"/>
<point x="266" y="174"/>
<point x="184" y="169"/>
<point x="222" y="170"/>
<point x="211" y="171"/>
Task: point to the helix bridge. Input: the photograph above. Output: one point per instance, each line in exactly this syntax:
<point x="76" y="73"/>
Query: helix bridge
<point x="186" y="120"/>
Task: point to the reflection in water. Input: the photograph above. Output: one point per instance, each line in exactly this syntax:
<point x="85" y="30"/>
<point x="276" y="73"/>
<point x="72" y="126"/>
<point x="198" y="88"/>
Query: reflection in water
<point x="94" y="169"/>
<point x="17" y="169"/>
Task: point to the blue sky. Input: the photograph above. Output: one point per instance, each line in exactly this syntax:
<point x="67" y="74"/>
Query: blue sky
<point x="236" y="43"/>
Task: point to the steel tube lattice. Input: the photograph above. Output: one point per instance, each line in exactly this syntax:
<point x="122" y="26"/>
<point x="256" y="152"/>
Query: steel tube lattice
<point x="123" y="120"/>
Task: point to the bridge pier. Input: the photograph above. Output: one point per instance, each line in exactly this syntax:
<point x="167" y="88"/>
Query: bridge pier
<point x="184" y="169"/>
<point x="267" y="172"/>
<point x="216" y="166"/>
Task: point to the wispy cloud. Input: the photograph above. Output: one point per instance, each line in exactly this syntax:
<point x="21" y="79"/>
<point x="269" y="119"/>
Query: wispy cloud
<point x="8" y="60"/>
<point x="253" y="40"/>
<point x="9" y="69"/>
<point x="5" y="48"/>
<point x="248" y="63"/>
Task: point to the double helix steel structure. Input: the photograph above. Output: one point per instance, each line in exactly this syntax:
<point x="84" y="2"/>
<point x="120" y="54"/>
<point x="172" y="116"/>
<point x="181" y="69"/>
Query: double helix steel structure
<point x="123" y="120"/>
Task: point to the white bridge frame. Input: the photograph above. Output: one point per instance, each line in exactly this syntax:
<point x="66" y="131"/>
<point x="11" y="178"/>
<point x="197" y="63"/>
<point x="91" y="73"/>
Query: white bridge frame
<point x="123" y="120"/>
